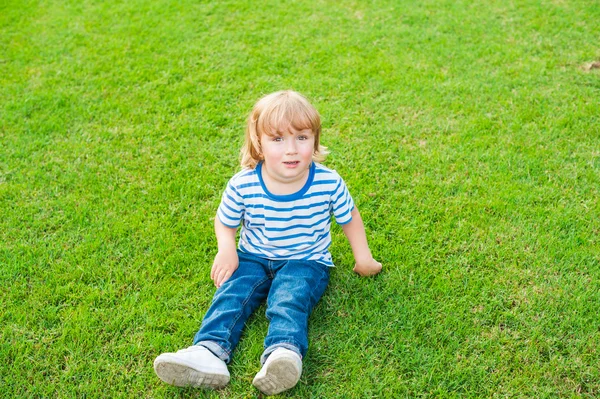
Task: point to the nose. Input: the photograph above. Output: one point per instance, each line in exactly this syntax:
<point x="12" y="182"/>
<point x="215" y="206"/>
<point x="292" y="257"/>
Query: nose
<point x="290" y="146"/>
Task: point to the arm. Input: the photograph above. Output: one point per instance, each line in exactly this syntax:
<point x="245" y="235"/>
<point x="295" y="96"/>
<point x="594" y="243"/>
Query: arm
<point x="226" y="262"/>
<point x="355" y="232"/>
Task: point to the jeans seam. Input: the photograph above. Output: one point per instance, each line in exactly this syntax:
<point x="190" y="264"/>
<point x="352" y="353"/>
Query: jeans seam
<point x="271" y="273"/>
<point x="239" y="314"/>
<point x="324" y="277"/>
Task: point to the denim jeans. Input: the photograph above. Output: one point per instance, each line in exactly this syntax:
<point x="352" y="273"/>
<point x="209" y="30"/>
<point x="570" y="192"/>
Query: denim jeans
<point x="291" y="287"/>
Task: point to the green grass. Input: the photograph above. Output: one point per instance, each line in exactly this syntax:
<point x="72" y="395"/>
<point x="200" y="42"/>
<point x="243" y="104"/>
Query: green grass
<point x="467" y="131"/>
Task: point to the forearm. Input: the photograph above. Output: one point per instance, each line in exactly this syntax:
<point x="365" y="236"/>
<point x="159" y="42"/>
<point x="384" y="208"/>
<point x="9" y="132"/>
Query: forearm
<point x="226" y="261"/>
<point x="355" y="232"/>
<point x="225" y="236"/>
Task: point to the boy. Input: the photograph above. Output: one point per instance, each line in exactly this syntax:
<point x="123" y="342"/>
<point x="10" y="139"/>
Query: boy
<point x="284" y="199"/>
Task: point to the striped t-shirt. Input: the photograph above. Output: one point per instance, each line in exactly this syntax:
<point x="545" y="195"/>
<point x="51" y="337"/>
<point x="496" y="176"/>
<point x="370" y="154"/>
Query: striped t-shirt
<point x="294" y="226"/>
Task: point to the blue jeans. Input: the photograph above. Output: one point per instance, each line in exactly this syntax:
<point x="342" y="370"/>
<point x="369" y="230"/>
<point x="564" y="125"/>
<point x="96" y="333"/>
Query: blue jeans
<point x="291" y="287"/>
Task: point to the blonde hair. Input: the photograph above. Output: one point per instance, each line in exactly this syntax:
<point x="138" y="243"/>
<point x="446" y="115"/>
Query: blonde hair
<point x="277" y="112"/>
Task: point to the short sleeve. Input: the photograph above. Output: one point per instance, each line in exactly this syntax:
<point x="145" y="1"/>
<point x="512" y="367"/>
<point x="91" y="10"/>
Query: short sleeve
<point x="342" y="203"/>
<point x="231" y="209"/>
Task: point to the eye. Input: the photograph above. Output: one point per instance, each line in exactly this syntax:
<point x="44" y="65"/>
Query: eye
<point x="277" y="138"/>
<point x="303" y="137"/>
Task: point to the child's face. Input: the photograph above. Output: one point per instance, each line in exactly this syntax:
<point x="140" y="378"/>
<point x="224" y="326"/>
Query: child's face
<point x="287" y="156"/>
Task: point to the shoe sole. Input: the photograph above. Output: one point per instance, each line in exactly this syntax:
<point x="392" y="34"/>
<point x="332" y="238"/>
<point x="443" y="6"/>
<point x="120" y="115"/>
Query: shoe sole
<point x="281" y="374"/>
<point x="175" y="372"/>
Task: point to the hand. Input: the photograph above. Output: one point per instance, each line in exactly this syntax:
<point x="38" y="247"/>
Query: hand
<point x="226" y="262"/>
<point x="369" y="267"/>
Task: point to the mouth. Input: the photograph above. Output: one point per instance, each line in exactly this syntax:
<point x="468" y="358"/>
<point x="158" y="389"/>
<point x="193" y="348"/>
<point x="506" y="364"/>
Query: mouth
<point x="292" y="163"/>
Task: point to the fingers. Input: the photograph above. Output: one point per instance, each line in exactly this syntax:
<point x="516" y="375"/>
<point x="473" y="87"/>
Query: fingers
<point x="375" y="270"/>
<point x="222" y="277"/>
<point x="368" y="270"/>
<point x="221" y="273"/>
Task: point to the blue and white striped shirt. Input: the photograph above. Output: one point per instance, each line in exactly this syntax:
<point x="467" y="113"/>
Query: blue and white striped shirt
<point x="294" y="226"/>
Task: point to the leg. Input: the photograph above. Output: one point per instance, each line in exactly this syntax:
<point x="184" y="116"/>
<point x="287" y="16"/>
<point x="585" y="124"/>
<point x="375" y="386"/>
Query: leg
<point x="232" y="304"/>
<point x="296" y="289"/>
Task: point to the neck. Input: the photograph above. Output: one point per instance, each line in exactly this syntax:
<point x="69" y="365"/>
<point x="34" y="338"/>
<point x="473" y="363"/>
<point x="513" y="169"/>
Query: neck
<point x="283" y="187"/>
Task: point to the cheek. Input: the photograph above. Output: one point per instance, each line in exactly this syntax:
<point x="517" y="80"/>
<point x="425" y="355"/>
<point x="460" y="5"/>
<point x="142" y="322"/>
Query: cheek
<point x="270" y="151"/>
<point x="306" y="151"/>
<point x="308" y="148"/>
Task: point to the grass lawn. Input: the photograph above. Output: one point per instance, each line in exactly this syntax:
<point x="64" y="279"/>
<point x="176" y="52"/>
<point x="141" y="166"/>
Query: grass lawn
<point x="467" y="131"/>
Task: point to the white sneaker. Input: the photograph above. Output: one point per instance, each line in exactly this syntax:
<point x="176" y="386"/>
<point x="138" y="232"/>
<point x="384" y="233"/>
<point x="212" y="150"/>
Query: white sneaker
<point x="195" y="366"/>
<point x="280" y="372"/>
